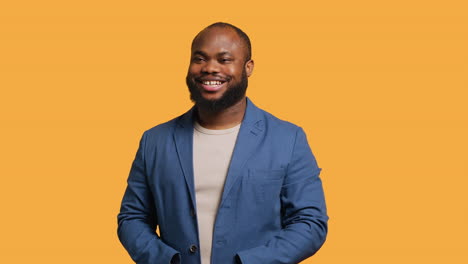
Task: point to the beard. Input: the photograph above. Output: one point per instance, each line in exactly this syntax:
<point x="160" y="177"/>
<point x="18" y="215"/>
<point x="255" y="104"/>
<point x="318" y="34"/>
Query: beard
<point x="231" y="96"/>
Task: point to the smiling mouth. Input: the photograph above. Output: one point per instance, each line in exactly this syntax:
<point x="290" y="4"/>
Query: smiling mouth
<point x="212" y="83"/>
<point x="212" y="86"/>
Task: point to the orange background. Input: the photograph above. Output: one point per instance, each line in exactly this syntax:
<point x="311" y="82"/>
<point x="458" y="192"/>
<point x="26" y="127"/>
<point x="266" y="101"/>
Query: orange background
<point x="380" y="87"/>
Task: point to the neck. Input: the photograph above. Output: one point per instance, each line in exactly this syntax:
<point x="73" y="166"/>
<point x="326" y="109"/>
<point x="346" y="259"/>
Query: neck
<point x="223" y="119"/>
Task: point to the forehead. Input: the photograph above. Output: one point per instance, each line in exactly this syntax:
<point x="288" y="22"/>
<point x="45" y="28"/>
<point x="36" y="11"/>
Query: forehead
<point x="218" y="40"/>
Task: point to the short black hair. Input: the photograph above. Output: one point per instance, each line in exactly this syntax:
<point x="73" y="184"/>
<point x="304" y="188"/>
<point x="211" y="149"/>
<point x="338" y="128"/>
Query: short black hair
<point x="239" y="32"/>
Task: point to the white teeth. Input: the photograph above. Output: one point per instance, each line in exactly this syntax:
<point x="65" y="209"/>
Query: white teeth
<point x="212" y="82"/>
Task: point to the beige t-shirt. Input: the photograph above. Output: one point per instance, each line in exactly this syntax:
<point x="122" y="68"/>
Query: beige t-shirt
<point x="212" y="152"/>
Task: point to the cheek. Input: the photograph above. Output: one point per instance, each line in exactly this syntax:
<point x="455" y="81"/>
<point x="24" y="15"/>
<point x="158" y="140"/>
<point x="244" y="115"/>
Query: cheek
<point x="194" y="69"/>
<point x="235" y="71"/>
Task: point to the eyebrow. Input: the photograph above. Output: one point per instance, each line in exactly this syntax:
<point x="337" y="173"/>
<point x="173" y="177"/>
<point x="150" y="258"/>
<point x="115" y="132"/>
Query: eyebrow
<point x="199" y="52"/>
<point x="224" y="53"/>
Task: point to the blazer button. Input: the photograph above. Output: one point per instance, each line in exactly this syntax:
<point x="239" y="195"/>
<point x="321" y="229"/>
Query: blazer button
<point x="193" y="248"/>
<point x="192" y="212"/>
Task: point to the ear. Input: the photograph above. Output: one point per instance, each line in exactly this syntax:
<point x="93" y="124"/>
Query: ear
<point x="249" y="66"/>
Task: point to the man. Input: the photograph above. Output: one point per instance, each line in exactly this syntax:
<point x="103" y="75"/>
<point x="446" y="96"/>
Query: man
<point x="226" y="182"/>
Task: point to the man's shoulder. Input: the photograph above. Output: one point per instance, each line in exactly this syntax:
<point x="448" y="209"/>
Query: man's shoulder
<point x="274" y="123"/>
<point x="164" y="129"/>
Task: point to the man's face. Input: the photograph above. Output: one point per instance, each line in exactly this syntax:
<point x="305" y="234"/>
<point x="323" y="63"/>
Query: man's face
<point x="217" y="75"/>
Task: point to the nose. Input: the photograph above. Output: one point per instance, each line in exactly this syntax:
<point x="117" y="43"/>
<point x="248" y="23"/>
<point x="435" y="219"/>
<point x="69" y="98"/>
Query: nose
<point x="210" y="66"/>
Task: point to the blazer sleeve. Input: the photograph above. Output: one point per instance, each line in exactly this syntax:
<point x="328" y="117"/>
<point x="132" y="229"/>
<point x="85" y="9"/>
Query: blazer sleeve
<point x="137" y="218"/>
<point x="304" y="216"/>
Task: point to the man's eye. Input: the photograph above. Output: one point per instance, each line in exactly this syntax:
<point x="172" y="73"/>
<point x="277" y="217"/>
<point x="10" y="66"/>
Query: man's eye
<point x="197" y="59"/>
<point x="226" y="60"/>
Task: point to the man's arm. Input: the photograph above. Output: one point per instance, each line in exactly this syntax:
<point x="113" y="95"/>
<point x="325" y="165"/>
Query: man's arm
<point x="304" y="215"/>
<point x="137" y="218"/>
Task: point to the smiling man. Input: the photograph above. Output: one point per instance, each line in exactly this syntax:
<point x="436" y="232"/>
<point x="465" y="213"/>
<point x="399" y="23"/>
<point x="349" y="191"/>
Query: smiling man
<point x="226" y="182"/>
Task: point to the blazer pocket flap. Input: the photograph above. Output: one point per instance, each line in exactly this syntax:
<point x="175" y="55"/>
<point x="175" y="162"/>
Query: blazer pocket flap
<point x="262" y="174"/>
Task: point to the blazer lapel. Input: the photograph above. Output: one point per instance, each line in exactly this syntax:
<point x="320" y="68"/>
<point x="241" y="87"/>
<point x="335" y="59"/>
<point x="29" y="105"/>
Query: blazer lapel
<point x="183" y="137"/>
<point x="250" y="133"/>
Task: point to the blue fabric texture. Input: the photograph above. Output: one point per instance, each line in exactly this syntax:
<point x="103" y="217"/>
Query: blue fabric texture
<point x="272" y="208"/>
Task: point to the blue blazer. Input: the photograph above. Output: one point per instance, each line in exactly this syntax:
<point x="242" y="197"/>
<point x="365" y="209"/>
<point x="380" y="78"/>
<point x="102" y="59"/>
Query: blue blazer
<point x="272" y="208"/>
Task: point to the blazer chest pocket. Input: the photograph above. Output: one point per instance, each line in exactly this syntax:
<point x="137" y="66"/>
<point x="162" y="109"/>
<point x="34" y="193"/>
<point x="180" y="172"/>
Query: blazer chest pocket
<point x="265" y="175"/>
<point x="266" y="183"/>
